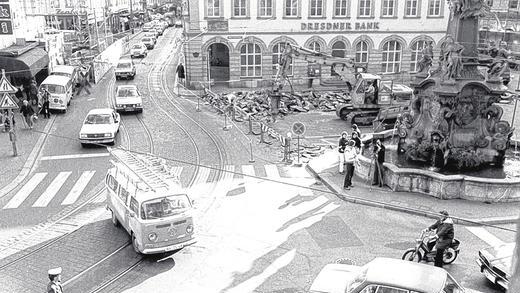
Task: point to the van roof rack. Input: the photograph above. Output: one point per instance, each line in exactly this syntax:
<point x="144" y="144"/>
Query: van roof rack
<point x="150" y="169"/>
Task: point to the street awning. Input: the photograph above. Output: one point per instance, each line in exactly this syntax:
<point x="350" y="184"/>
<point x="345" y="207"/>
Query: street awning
<point x="26" y="65"/>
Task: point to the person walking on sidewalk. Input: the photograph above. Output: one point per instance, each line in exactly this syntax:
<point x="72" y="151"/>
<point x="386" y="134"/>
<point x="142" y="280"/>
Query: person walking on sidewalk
<point x="357" y="141"/>
<point x="54" y="285"/>
<point x="341" y="150"/>
<point x="379" y="159"/>
<point x="28" y="113"/>
<point x="45" y="104"/>
<point x="444" y="235"/>
<point x="350" y="160"/>
<point x="181" y="74"/>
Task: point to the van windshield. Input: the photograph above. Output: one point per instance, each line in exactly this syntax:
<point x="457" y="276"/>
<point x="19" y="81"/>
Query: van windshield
<point x="54" y="89"/>
<point x="164" y="207"/>
<point x="61" y="73"/>
<point x="123" y="65"/>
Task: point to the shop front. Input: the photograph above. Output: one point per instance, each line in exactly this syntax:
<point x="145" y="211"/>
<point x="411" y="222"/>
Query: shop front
<point x="25" y="62"/>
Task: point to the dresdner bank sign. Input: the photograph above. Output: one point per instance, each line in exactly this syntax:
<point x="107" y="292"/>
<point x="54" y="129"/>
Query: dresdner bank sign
<point x="340" y="26"/>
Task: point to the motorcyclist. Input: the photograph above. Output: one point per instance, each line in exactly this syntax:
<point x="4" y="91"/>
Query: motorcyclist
<point x="444" y="235"/>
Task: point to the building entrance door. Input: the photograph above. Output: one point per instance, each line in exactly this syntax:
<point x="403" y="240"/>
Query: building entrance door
<point x="219" y="62"/>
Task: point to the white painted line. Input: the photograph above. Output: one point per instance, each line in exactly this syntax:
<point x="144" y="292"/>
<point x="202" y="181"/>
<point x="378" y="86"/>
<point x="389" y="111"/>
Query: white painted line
<point x="272" y="172"/>
<point x="76" y="156"/>
<point x="25" y="191"/>
<point x="176" y="171"/>
<point x="52" y="189"/>
<point x="203" y="175"/>
<point x="78" y="187"/>
<point x="485" y="236"/>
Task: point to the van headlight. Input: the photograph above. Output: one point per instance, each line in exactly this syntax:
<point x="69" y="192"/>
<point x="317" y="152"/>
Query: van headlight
<point x="108" y="134"/>
<point x="138" y="105"/>
<point x="152" y="237"/>
<point x="83" y="135"/>
<point x="189" y="229"/>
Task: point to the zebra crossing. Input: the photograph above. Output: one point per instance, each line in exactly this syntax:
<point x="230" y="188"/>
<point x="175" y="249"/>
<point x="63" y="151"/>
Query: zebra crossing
<point x="66" y="187"/>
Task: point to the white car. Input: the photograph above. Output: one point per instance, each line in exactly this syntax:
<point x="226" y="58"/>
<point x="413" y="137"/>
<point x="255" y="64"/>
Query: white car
<point x="128" y="99"/>
<point x="138" y="50"/>
<point x="151" y="36"/>
<point x="496" y="262"/>
<point x="100" y="126"/>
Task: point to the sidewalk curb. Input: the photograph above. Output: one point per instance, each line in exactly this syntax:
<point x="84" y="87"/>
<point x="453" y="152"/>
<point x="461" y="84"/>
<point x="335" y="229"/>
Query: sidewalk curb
<point x="463" y="221"/>
<point x="31" y="159"/>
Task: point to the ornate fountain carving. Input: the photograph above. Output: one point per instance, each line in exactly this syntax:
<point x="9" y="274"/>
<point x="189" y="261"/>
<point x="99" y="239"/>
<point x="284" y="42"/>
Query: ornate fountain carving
<point x="454" y="118"/>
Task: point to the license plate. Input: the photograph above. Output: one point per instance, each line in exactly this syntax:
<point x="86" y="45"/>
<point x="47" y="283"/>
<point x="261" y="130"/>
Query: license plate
<point x="129" y="109"/>
<point x="489" y="276"/>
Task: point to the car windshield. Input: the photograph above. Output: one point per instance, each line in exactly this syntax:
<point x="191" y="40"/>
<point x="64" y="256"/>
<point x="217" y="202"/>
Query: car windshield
<point x="358" y="280"/>
<point x="130" y="92"/>
<point x="123" y="65"/>
<point x="165" y="207"/>
<point x="146" y="40"/>
<point x="98" y="119"/>
<point x="451" y="286"/>
<point x="54" y="89"/>
<point x="61" y="74"/>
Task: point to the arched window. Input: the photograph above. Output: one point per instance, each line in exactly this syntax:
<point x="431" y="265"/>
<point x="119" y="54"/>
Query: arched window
<point x="362" y="52"/>
<point x="339" y="49"/>
<point x="417" y="47"/>
<point x="315" y="46"/>
<point x="391" y="57"/>
<point x="277" y="54"/>
<point x="250" y="60"/>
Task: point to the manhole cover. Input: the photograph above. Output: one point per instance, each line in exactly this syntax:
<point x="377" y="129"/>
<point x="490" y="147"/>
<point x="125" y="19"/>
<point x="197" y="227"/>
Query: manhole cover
<point x="345" y="261"/>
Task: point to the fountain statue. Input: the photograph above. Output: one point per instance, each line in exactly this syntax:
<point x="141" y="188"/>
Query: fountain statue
<point x="455" y="120"/>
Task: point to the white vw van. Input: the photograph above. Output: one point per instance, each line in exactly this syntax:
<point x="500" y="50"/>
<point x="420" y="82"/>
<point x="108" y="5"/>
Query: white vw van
<point x="60" y="89"/>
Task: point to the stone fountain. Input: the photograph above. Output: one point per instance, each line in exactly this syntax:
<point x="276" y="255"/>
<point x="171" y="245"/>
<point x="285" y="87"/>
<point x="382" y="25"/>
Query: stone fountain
<point x="455" y="121"/>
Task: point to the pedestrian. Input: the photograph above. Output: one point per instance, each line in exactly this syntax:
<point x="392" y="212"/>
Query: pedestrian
<point x="444" y="235"/>
<point x="28" y="113"/>
<point x="33" y="93"/>
<point x="45" y="104"/>
<point x="181" y="75"/>
<point x="19" y="93"/>
<point x="355" y="128"/>
<point x="357" y="141"/>
<point x="343" y="141"/>
<point x="54" y="285"/>
<point x="350" y="160"/>
<point x="83" y="81"/>
<point x="379" y="159"/>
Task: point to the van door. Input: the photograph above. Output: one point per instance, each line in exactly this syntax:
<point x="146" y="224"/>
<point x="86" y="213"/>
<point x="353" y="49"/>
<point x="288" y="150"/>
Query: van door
<point x="116" y="202"/>
<point x="133" y="220"/>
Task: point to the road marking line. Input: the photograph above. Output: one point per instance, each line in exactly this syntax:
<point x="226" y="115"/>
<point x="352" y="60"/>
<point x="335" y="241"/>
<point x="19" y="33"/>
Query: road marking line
<point x="272" y="171"/>
<point x="203" y="176"/>
<point x="485" y="236"/>
<point x="176" y="171"/>
<point x="52" y="189"/>
<point x="78" y="187"/>
<point x="25" y="191"/>
<point x="76" y="156"/>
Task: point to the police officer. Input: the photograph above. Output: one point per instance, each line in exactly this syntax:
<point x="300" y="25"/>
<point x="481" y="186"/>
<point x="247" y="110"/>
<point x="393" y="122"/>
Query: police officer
<point x="54" y="285"/>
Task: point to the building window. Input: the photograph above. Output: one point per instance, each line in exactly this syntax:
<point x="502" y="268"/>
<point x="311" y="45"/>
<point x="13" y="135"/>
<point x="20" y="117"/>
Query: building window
<point x="339" y="49"/>
<point x="434" y="8"/>
<point x="315" y="46"/>
<point x="277" y="55"/>
<point x="341" y="8"/>
<point x="365" y="8"/>
<point x="265" y="8"/>
<point x="69" y="4"/>
<point x="361" y="52"/>
<point x="417" y="48"/>
<point x="490" y="3"/>
<point x="213" y="8"/>
<point x="391" y="57"/>
<point x="250" y="60"/>
<point x="55" y="3"/>
<point x="513" y="4"/>
<point x="388" y="8"/>
<point x="412" y="8"/>
<point x="239" y="8"/>
<point x="316" y="8"/>
<point x="291" y="8"/>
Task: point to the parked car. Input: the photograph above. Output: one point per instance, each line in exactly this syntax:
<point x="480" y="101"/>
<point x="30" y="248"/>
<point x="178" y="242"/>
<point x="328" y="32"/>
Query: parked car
<point x="147" y="26"/>
<point x="495" y="263"/>
<point x="148" y="42"/>
<point x="125" y="69"/>
<point x="61" y="90"/>
<point x="153" y="30"/>
<point x="71" y="72"/>
<point x="128" y="99"/>
<point x="151" y="36"/>
<point x="138" y="50"/>
<point x="159" y="28"/>
<point x="385" y="275"/>
<point x="100" y="126"/>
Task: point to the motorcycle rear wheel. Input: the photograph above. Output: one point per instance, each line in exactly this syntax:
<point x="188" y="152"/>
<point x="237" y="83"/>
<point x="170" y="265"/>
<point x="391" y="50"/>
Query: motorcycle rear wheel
<point x="411" y="255"/>
<point x="450" y="255"/>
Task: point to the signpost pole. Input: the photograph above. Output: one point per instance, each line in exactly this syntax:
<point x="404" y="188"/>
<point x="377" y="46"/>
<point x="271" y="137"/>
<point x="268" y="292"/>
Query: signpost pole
<point x="12" y="133"/>
<point x="298" y="150"/>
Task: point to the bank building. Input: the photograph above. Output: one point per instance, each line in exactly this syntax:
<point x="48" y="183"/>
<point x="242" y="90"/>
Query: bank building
<point x="239" y="42"/>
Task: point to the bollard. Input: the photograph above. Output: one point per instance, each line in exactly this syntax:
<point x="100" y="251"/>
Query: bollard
<point x="233" y="114"/>
<point x="198" y="104"/>
<point x="262" y="131"/>
<point x="226" y="127"/>
<point x="251" y="159"/>
<point x="250" y="122"/>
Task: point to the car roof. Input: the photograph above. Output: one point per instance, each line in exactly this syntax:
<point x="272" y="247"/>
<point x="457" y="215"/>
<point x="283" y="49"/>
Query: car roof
<point x="406" y="274"/>
<point x="100" y="111"/>
<point x="64" y="68"/>
<point x="126" y="86"/>
<point x="56" y="79"/>
<point x="125" y="60"/>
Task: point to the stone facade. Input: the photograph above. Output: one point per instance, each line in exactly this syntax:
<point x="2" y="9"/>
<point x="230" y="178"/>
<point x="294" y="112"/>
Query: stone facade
<point x="303" y="29"/>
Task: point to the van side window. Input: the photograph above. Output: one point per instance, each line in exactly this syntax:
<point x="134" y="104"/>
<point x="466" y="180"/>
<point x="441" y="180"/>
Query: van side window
<point x="112" y="183"/>
<point x="123" y="194"/>
<point x="134" y="206"/>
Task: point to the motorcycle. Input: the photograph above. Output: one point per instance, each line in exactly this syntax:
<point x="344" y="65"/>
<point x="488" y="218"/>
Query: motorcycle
<point x="423" y="250"/>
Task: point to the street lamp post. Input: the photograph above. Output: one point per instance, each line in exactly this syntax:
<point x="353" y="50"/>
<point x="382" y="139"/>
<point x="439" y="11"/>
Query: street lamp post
<point x="131" y="17"/>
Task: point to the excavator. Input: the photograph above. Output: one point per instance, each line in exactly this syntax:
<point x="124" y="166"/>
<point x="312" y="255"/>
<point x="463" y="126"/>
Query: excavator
<point x="374" y="101"/>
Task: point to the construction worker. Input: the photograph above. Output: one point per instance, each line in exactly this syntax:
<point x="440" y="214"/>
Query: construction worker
<point x="54" y="285"/>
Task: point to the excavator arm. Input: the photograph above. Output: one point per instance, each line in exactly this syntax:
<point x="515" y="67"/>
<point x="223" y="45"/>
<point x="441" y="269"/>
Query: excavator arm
<point x="344" y="67"/>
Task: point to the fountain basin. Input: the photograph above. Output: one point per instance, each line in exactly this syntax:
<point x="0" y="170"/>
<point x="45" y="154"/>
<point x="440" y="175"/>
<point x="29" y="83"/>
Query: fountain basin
<point x="440" y="185"/>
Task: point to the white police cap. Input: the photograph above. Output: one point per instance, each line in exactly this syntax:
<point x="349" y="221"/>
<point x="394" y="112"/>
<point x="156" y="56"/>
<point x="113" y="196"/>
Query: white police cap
<point x="55" y="271"/>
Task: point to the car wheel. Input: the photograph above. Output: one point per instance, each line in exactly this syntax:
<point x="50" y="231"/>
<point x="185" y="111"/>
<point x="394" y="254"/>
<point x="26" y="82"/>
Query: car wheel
<point x="115" y="221"/>
<point x="135" y="245"/>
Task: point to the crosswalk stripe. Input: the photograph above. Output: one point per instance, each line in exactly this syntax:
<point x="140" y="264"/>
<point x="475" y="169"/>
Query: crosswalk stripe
<point x="203" y="176"/>
<point x="78" y="187"/>
<point x="485" y="236"/>
<point x="25" y="191"/>
<point x="52" y="189"/>
<point x="272" y="171"/>
<point x="176" y="171"/>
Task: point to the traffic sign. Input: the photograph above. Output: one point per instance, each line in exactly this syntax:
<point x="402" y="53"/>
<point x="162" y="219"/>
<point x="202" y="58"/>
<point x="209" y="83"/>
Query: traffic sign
<point x="298" y="128"/>
<point x="7" y="102"/>
<point x="5" y="85"/>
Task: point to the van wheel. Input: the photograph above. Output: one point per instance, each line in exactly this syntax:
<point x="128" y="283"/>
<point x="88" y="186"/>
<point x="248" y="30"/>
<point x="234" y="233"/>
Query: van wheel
<point x="134" y="244"/>
<point x="115" y="221"/>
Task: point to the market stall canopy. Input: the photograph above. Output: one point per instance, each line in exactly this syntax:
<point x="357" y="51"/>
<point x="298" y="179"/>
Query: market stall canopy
<point x="27" y="64"/>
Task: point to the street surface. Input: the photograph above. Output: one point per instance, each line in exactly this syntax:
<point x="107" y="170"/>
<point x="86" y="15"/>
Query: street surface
<point x="255" y="233"/>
